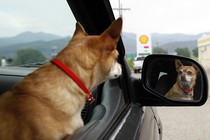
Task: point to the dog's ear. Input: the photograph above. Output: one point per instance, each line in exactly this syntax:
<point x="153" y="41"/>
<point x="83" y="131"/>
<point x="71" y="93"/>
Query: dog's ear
<point x="178" y="64"/>
<point x="196" y="68"/>
<point x="111" y="35"/>
<point x="79" y="30"/>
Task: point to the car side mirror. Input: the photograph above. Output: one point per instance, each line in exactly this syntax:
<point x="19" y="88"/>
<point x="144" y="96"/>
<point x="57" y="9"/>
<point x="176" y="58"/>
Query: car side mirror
<point x="175" y="79"/>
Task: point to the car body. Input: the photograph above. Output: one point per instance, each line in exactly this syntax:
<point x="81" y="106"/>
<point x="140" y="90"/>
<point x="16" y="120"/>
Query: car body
<point x="125" y="107"/>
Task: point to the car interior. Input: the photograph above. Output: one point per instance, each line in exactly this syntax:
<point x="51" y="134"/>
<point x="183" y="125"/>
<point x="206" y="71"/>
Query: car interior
<point x="110" y="98"/>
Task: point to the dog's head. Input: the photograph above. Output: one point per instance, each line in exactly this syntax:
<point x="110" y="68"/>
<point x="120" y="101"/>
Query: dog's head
<point x="186" y="74"/>
<point x="93" y="57"/>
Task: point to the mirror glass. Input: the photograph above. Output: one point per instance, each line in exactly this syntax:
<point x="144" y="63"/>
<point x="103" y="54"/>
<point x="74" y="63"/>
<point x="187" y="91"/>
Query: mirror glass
<point x="175" y="78"/>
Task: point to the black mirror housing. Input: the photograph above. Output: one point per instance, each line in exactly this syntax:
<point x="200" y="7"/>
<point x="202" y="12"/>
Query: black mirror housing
<point x="169" y="80"/>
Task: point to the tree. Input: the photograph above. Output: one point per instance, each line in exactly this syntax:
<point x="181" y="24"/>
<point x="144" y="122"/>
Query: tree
<point x="26" y="56"/>
<point x="195" y="52"/>
<point x="183" y="52"/>
<point x="130" y="62"/>
<point x="159" y="50"/>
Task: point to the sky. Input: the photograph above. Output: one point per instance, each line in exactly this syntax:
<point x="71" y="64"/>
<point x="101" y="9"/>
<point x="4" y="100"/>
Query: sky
<point x="54" y="16"/>
<point x="166" y="16"/>
<point x="50" y="16"/>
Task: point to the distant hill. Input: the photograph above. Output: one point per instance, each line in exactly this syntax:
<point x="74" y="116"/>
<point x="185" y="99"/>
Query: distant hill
<point x="129" y="40"/>
<point x="45" y="42"/>
<point x="169" y="42"/>
<point x="26" y="37"/>
<point x="160" y="39"/>
<point x="45" y="47"/>
<point x="172" y="46"/>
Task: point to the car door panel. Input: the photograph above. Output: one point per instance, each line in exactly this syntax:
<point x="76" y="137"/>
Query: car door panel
<point x="104" y="114"/>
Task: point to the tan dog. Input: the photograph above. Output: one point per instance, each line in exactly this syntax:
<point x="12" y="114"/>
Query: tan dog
<point x="183" y="89"/>
<point x="47" y="104"/>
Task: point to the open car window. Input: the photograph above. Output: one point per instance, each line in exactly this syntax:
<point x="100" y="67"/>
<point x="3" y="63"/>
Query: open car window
<point x="165" y="27"/>
<point x="33" y="31"/>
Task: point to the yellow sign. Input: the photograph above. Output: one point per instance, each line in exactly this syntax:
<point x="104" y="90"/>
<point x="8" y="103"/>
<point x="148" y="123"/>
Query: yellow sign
<point x="143" y="39"/>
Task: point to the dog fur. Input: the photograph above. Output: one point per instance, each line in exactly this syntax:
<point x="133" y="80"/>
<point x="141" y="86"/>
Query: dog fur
<point x="183" y="89"/>
<point x="47" y="104"/>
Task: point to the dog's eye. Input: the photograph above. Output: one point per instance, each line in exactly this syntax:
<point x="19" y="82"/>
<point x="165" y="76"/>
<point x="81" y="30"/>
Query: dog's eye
<point x="180" y="72"/>
<point x="189" y="72"/>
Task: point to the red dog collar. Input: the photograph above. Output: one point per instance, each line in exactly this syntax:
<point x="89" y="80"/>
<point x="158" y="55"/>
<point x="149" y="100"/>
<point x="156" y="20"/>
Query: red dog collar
<point x="185" y="91"/>
<point x="74" y="77"/>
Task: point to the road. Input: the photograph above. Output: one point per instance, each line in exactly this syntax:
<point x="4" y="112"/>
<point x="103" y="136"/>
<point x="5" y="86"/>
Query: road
<point x="185" y="123"/>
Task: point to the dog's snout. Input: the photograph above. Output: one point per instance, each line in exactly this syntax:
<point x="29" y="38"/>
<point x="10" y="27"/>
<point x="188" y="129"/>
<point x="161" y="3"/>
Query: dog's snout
<point x="183" y="77"/>
<point x="115" y="71"/>
<point x="115" y="76"/>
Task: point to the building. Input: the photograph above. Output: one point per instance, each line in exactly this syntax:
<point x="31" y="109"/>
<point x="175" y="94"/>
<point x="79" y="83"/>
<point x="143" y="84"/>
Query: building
<point x="204" y="51"/>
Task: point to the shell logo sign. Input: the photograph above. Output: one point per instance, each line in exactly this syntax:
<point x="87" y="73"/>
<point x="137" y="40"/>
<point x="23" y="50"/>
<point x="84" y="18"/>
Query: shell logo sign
<point x="144" y="44"/>
<point x="143" y="39"/>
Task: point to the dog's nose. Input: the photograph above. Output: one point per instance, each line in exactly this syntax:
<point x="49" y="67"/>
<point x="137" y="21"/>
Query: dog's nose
<point x="183" y="77"/>
<point x="116" y="76"/>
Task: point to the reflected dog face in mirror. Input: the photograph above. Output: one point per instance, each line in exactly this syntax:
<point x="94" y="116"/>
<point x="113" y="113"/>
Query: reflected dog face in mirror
<point x="174" y="79"/>
<point x="183" y="89"/>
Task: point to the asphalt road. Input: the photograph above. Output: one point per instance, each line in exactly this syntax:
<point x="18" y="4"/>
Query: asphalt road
<point x="185" y="123"/>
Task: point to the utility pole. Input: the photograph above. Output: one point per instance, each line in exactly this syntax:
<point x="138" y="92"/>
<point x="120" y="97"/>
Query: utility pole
<point x="120" y="9"/>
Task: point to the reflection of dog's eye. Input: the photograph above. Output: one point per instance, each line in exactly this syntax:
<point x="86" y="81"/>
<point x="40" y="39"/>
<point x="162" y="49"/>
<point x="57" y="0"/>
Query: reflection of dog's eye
<point x="189" y="72"/>
<point x="180" y="72"/>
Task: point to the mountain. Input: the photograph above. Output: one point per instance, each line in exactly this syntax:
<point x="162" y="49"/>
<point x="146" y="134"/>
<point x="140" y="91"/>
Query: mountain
<point x="160" y="39"/>
<point x="129" y="41"/>
<point x="169" y="42"/>
<point x="26" y="37"/>
<point x="172" y="46"/>
<point x="46" y="43"/>
<point x="46" y="47"/>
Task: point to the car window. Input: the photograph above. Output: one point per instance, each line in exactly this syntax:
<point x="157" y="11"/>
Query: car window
<point x="33" y="30"/>
<point x="178" y="27"/>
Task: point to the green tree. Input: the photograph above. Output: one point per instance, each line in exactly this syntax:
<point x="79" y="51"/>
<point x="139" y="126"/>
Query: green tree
<point x="183" y="52"/>
<point x="130" y="62"/>
<point x="25" y="56"/>
<point x="159" y="50"/>
<point x="195" y="52"/>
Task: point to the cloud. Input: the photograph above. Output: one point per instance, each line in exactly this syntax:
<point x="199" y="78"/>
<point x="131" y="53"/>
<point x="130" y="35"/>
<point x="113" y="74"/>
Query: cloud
<point x="37" y="16"/>
<point x="163" y="16"/>
<point x="166" y="16"/>
<point x="9" y="24"/>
